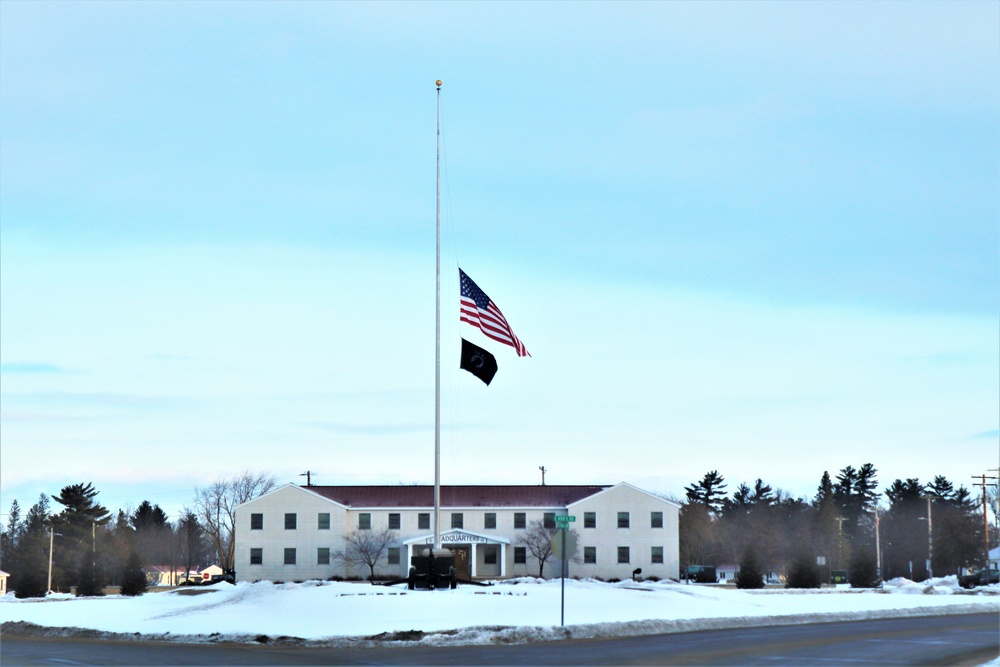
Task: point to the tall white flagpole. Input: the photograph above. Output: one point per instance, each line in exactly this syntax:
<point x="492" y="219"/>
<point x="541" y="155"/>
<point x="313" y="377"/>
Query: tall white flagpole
<point x="437" y="348"/>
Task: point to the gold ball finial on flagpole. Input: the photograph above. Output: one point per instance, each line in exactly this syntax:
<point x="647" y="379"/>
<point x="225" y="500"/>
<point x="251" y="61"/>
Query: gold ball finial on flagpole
<point x="438" y="83"/>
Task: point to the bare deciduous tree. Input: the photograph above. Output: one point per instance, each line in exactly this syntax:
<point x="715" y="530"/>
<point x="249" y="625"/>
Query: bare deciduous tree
<point x="366" y="547"/>
<point x="538" y="540"/>
<point x="216" y="509"/>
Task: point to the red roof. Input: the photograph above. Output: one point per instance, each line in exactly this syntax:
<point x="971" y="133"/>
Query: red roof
<point x="456" y="496"/>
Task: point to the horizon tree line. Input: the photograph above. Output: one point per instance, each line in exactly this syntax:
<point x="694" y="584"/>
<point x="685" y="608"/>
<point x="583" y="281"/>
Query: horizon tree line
<point x="91" y="548"/>
<point x="921" y="524"/>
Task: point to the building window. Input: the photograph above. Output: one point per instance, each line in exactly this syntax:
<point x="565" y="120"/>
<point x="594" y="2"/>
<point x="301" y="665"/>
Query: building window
<point x="289" y="556"/>
<point x="623" y="555"/>
<point x="365" y="521"/>
<point x="394" y="521"/>
<point x="256" y="522"/>
<point x="656" y="556"/>
<point x="256" y="556"/>
<point x="323" y="556"/>
<point x="590" y="519"/>
<point x="520" y="555"/>
<point x="549" y="520"/>
<point x="490" y="520"/>
<point x="457" y="520"/>
<point x="490" y="556"/>
<point x="623" y="520"/>
<point x="590" y="555"/>
<point x="656" y="519"/>
<point x="291" y="521"/>
<point x="424" y="521"/>
<point x="323" y="521"/>
<point x="520" y="520"/>
<point x="393" y="556"/>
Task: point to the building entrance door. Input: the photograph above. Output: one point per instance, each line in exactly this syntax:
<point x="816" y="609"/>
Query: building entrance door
<point x="461" y="554"/>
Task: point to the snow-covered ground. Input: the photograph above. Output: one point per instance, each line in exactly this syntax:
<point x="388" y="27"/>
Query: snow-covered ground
<point x="510" y="611"/>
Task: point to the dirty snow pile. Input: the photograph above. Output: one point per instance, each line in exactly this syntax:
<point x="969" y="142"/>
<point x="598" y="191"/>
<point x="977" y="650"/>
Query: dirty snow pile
<point x="514" y="610"/>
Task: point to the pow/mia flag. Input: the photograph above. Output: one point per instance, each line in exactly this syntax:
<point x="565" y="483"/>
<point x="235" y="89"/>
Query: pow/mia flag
<point x="478" y="361"/>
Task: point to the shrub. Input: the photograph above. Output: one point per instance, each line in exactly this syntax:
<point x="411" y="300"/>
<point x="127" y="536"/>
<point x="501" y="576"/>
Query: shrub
<point x="133" y="578"/>
<point x="751" y="574"/>
<point x="803" y="572"/>
<point x="91" y="583"/>
<point x="30" y="584"/>
<point x="863" y="572"/>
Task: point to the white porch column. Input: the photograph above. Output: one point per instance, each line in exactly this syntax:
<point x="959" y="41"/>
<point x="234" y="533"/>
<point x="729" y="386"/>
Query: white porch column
<point x="472" y="565"/>
<point x="502" y="548"/>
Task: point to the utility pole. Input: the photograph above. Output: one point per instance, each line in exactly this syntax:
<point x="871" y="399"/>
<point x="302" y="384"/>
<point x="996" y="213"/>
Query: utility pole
<point x="840" y="541"/>
<point x="878" y="549"/>
<point x="542" y="468"/>
<point x="930" y="537"/>
<point x="308" y="475"/>
<point x="986" y="522"/>
<point x="930" y="540"/>
<point x="52" y="539"/>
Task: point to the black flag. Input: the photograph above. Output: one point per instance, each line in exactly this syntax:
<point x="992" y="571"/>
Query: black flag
<point x="478" y="361"/>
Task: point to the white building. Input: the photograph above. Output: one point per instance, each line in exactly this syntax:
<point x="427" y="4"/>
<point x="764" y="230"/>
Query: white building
<point x="292" y="533"/>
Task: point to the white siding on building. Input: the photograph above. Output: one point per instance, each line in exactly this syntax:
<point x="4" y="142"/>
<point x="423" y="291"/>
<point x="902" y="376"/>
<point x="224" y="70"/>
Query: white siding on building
<point x="273" y="538"/>
<point x="639" y="538"/>
<point x="491" y="549"/>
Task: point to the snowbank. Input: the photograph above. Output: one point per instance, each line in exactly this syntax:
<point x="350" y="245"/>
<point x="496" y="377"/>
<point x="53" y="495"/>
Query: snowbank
<point x="518" y="610"/>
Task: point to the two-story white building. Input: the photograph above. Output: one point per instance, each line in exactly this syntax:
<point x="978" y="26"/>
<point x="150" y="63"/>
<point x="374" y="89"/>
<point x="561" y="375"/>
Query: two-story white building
<point x="294" y="532"/>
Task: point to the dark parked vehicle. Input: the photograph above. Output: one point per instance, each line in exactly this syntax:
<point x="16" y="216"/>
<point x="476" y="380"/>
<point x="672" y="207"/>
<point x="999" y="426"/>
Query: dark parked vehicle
<point x="701" y="574"/>
<point x="981" y="578"/>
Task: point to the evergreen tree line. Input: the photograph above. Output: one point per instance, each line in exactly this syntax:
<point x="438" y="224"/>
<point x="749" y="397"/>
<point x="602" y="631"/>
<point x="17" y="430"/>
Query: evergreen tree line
<point x="764" y="530"/>
<point x="90" y="548"/>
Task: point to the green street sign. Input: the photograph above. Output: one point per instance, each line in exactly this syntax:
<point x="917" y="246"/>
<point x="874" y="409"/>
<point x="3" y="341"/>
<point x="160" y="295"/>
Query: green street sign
<point x="565" y="518"/>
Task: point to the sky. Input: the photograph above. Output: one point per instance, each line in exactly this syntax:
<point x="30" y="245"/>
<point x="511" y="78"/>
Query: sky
<point x="512" y="611"/>
<point x="758" y="238"/>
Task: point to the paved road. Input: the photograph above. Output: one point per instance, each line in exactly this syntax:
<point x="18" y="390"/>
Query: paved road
<point x="940" y="640"/>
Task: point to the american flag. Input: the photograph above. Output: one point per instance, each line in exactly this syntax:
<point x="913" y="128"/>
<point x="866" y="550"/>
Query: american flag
<point x="479" y="311"/>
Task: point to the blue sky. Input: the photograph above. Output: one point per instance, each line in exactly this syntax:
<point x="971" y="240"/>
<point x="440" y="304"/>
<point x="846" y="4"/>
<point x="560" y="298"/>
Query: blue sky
<point x="754" y="237"/>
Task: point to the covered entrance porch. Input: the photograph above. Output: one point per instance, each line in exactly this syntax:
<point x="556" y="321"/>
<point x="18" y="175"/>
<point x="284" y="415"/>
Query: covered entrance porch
<point x="476" y="555"/>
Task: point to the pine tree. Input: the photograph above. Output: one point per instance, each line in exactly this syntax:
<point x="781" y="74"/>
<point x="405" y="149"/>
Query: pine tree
<point x="904" y="527"/>
<point x="803" y="572"/>
<point x="958" y="533"/>
<point x="710" y="492"/>
<point x="118" y="541"/>
<point x="30" y="583"/>
<point x="10" y="538"/>
<point x="825" y="490"/>
<point x="77" y="524"/>
<point x="941" y="488"/>
<point x="133" y="578"/>
<point x="152" y="533"/>
<point x="863" y="572"/>
<point x="824" y="520"/>
<point x="30" y="576"/>
<point x="91" y="582"/>
<point x="751" y="574"/>
<point x="191" y="541"/>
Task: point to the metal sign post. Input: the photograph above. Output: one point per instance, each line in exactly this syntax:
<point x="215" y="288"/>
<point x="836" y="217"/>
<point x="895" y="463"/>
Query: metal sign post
<point x="562" y="522"/>
<point x="562" y="585"/>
